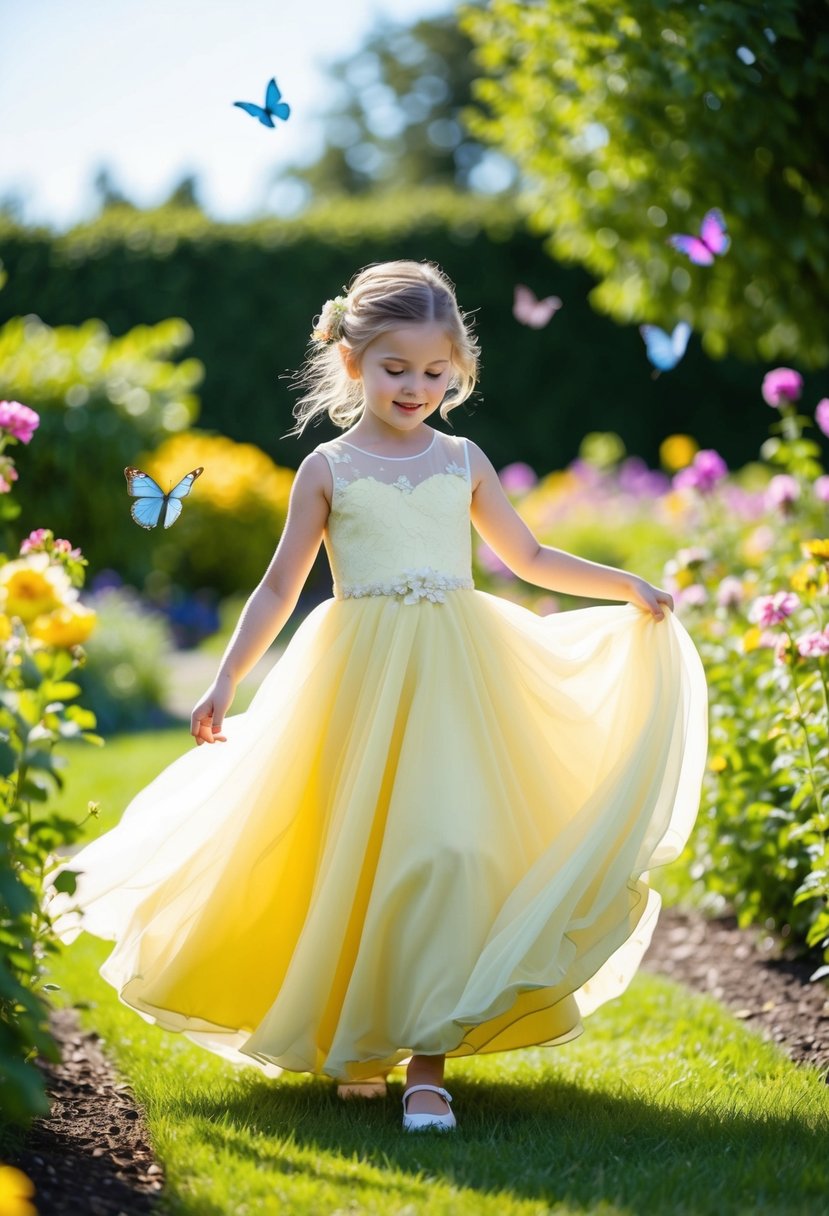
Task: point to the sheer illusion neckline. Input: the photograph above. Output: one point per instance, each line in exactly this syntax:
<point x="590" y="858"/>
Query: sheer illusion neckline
<point x="379" y="456"/>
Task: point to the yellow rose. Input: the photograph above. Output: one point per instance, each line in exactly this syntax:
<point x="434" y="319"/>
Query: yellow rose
<point x="67" y="626"/>
<point x="677" y="452"/>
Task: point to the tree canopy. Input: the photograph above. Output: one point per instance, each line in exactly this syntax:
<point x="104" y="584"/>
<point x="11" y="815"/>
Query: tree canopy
<point x="396" y="119"/>
<point x="629" y="122"/>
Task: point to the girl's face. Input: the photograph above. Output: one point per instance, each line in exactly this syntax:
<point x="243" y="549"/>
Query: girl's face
<point x="405" y="374"/>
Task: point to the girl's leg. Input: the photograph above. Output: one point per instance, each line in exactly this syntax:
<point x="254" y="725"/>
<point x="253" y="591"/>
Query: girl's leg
<point x="426" y="1070"/>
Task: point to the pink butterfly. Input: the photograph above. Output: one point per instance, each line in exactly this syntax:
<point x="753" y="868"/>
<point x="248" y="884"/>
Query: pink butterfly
<point x="529" y="310"/>
<point x="711" y="240"/>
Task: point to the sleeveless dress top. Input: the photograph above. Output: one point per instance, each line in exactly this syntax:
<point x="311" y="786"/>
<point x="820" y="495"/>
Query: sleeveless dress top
<point x="431" y="830"/>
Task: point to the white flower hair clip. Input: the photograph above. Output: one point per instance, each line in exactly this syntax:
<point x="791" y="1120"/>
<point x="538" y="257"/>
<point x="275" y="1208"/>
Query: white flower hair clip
<point x="330" y="327"/>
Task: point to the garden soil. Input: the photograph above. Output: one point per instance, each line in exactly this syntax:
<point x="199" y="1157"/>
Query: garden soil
<point x="92" y="1157"/>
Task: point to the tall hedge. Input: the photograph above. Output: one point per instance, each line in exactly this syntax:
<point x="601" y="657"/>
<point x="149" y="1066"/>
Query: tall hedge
<point x="249" y="292"/>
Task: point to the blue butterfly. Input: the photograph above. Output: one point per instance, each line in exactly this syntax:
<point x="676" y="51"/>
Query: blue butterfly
<point x="154" y="506"/>
<point x="273" y="106"/>
<point x="664" y="351"/>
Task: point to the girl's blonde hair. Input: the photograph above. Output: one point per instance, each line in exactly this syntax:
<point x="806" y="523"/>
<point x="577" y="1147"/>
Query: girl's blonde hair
<point x="381" y="297"/>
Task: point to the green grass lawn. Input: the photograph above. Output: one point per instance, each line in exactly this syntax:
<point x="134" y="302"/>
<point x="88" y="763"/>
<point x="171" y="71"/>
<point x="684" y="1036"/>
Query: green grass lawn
<point x="666" y="1104"/>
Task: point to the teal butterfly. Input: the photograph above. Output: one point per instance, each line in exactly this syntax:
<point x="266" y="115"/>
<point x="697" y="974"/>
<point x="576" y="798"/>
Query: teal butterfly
<point x="154" y="506"/>
<point x="273" y="108"/>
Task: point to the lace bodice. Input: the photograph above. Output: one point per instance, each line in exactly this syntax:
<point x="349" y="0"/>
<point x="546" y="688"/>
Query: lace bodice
<point x="399" y="525"/>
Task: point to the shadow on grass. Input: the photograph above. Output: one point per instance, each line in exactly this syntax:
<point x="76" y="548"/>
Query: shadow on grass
<point x="555" y="1142"/>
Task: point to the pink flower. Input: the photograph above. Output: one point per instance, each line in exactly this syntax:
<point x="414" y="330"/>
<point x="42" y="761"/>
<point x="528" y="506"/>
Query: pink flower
<point x="18" y="420"/>
<point x="693" y="597"/>
<point x="782" y="491"/>
<point x="783" y="384"/>
<point x="730" y="592"/>
<point x="820" y="488"/>
<point x="34" y="540"/>
<point x="772" y="609"/>
<point x="706" y="469"/>
<point x="822" y="415"/>
<point x="517" y="477"/>
<point x="811" y="645"/>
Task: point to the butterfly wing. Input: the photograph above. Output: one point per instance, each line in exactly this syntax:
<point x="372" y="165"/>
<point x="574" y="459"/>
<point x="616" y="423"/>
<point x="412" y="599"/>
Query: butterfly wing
<point x="256" y="111"/>
<point x="273" y="105"/>
<point x="679" y="340"/>
<point x="531" y="311"/>
<point x="692" y="247"/>
<point x="712" y="231"/>
<point x="665" y="350"/>
<point x="173" y="499"/>
<point x="153" y="505"/>
<point x="151" y="498"/>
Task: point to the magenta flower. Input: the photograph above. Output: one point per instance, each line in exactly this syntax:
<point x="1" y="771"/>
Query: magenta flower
<point x="706" y="469"/>
<point x="811" y="645"/>
<point x="782" y="491"/>
<point x="821" y="489"/>
<point x="783" y="384"/>
<point x="822" y="415"/>
<point x="517" y="477"/>
<point x="772" y="609"/>
<point x="18" y="420"/>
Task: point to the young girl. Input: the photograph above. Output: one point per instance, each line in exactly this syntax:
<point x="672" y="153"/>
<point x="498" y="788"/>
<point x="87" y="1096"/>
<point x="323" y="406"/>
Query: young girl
<point x="429" y="833"/>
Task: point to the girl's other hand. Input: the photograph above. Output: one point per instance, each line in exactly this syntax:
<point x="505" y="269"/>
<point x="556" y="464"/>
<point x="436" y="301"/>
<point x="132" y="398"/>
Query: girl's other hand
<point x="643" y="595"/>
<point x="207" y="717"/>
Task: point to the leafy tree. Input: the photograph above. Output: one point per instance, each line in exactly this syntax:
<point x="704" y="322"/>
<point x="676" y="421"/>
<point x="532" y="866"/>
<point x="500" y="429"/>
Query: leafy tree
<point x="397" y="121"/>
<point x="628" y="122"/>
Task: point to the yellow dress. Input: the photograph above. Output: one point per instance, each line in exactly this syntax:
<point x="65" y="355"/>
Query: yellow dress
<point x="429" y="832"/>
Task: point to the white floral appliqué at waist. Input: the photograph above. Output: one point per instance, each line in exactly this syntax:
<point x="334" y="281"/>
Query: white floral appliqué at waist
<point x="412" y="585"/>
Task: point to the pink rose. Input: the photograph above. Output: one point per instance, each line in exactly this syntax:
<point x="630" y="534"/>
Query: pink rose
<point x="783" y="384"/>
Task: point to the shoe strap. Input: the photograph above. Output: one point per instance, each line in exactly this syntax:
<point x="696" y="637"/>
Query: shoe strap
<point x="435" y="1089"/>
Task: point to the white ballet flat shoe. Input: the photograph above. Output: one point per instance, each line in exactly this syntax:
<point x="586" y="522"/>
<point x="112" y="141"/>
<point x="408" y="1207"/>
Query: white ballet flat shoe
<point x="413" y="1123"/>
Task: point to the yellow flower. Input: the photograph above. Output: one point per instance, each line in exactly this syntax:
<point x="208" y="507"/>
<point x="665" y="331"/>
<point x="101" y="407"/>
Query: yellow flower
<point x="16" y="1189"/>
<point x="32" y="586"/>
<point x="816" y="548"/>
<point x="5" y="627"/>
<point x="751" y="639"/>
<point x="67" y="626"/>
<point x="677" y="452"/>
<point x="717" y="764"/>
<point x="805" y="578"/>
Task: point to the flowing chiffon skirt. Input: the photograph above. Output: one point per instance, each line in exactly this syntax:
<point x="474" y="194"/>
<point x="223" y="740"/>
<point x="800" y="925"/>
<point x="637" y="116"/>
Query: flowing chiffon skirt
<point x="430" y="832"/>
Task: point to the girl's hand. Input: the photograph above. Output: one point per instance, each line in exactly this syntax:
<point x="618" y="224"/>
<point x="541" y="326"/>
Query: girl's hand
<point x="207" y="717"/>
<point x="650" y="598"/>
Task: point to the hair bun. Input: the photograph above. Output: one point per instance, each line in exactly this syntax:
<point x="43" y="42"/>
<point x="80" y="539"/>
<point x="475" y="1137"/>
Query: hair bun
<point x="329" y="327"/>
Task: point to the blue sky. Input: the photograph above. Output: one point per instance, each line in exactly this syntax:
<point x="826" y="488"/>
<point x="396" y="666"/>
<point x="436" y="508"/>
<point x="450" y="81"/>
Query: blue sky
<point x="146" y="87"/>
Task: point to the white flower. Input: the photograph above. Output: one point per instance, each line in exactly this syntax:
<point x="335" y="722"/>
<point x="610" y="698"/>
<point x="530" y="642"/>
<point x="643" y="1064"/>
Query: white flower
<point x="344" y="459"/>
<point x="413" y="586"/>
<point x="403" y="484"/>
<point x="458" y="469"/>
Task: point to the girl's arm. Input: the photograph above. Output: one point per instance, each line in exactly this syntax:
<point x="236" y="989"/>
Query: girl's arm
<point x="503" y="529"/>
<point x="273" y="601"/>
